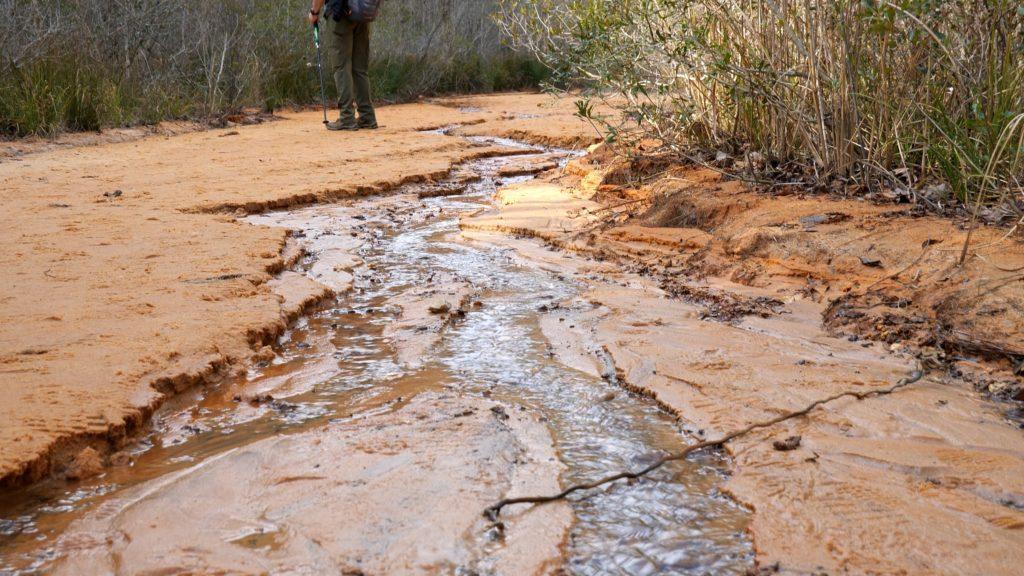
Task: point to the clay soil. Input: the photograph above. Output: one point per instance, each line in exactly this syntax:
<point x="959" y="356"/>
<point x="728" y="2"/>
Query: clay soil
<point x="130" y="277"/>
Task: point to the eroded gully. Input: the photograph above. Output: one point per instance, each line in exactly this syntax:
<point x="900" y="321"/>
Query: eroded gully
<point x="338" y="365"/>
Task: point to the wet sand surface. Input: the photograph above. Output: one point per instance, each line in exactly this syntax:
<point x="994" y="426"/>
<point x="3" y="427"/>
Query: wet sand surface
<point x="385" y="424"/>
<point x="929" y="480"/>
<point x="395" y="493"/>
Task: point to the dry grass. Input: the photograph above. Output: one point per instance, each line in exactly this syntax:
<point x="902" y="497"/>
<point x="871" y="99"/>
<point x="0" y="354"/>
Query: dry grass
<point x="914" y="95"/>
<point x="85" y="64"/>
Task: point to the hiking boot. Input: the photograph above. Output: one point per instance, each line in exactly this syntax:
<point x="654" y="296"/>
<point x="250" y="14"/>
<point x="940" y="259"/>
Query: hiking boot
<point x="342" y="125"/>
<point x="368" y="125"/>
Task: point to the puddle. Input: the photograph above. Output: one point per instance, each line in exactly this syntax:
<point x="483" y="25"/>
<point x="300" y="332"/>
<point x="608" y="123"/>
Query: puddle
<point x="337" y="365"/>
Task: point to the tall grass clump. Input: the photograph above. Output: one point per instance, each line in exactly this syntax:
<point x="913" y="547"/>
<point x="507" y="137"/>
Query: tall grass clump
<point x="923" y="96"/>
<point x="88" y="64"/>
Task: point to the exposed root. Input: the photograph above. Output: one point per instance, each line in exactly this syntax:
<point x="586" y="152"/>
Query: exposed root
<point x="494" y="511"/>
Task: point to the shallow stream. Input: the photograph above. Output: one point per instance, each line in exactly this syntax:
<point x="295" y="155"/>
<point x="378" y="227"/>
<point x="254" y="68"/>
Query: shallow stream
<point x="336" y="364"/>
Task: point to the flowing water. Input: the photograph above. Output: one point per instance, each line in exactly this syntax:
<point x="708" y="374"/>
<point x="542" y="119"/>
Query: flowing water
<point x="336" y="364"/>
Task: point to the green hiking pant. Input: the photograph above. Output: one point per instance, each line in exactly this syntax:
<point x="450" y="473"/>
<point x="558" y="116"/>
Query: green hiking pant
<point x="350" y="58"/>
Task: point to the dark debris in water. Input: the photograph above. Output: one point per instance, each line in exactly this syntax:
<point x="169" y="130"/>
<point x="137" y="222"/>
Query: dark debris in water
<point x="499" y="412"/>
<point x="723" y="306"/>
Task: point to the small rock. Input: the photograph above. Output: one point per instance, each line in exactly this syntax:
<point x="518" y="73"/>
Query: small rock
<point x="766" y="570"/>
<point x="86" y="464"/>
<point x="441" y="309"/>
<point x="899" y="195"/>
<point x="791" y="443"/>
<point x="813" y="220"/>
<point x="258" y="399"/>
<point x="608" y="397"/>
<point x="121" y="458"/>
<point x="499" y="412"/>
<point x="265" y="354"/>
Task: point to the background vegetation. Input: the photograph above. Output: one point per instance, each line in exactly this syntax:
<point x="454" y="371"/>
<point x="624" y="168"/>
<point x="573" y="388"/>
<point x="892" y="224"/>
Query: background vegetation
<point x="86" y="64"/>
<point x="924" y="97"/>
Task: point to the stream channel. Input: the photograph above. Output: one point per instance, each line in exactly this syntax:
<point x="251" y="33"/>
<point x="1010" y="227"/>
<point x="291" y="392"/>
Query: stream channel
<point x="336" y="364"/>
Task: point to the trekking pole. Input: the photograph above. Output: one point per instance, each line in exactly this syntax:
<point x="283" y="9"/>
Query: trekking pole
<point x="320" y="68"/>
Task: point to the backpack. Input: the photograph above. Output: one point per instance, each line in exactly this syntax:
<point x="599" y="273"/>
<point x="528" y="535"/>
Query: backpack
<point x="363" y="11"/>
<point x="358" y="11"/>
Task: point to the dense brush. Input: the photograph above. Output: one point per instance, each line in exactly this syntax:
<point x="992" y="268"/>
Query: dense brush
<point x="912" y="94"/>
<point x="86" y="64"/>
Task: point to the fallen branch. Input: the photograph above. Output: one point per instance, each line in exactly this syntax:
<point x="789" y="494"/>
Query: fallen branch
<point x="494" y="511"/>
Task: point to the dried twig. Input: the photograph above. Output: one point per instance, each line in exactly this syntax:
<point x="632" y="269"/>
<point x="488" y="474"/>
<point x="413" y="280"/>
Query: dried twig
<point x="924" y="252"/>
<point x="997" y="266"/>
<point x="494" y="511"/>
<point x="617" y="206"/>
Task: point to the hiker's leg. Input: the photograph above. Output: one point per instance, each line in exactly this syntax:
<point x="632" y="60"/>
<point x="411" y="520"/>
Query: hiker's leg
<point x="361" y="76"/>
<point x="341" y="61"/>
